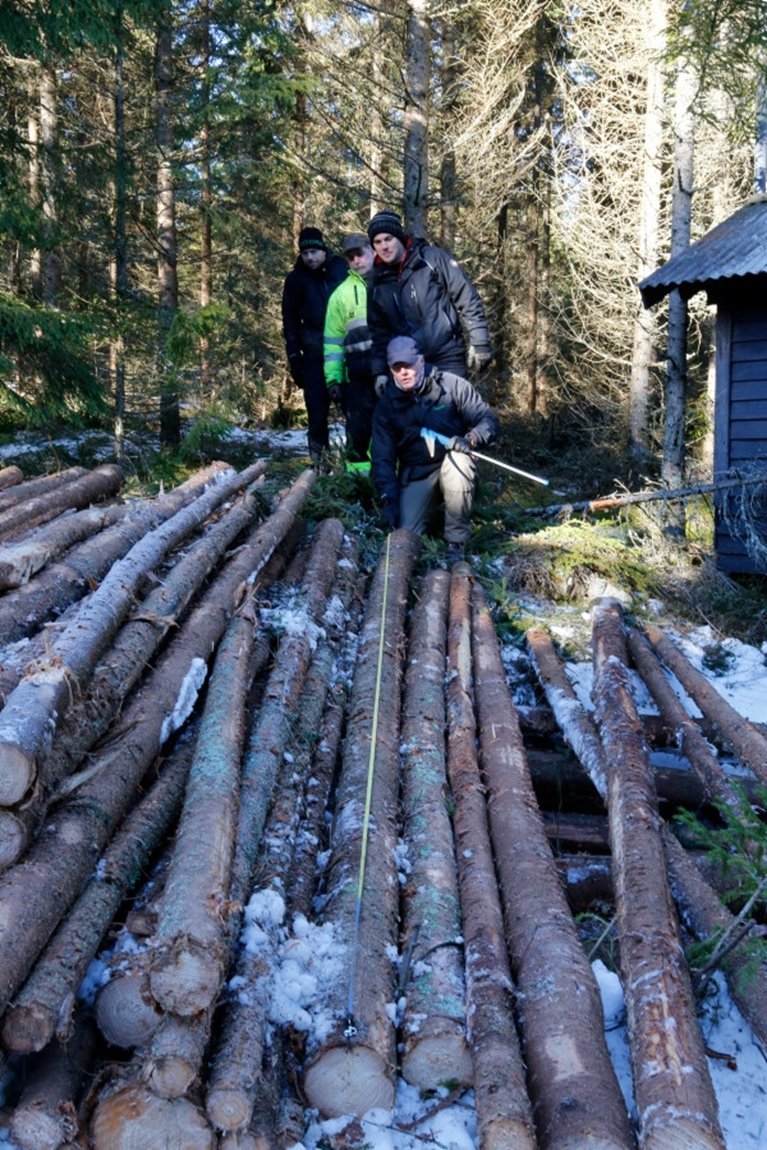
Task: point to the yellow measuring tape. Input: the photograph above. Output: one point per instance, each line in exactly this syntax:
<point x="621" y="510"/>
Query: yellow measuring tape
<point x="350" y="1029"/>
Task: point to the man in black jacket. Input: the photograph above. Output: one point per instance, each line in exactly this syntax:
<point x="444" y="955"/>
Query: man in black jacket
<point x="305" y="294"/>
<point x="419" y="290"/>
<point x="411" y="471"/>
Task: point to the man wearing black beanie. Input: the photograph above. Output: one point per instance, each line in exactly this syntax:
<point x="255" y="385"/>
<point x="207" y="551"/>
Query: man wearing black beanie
<point x="419" y="290"/>
<point x="305" y="294"/>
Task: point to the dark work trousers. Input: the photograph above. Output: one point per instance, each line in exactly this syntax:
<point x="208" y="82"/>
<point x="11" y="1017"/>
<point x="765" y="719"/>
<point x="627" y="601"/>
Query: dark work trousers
<point x="358" y="400"/>
<point x="317" y="404"/>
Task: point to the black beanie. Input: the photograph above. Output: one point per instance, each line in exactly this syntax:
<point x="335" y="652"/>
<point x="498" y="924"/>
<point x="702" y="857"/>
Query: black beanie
<point x="311" y="238"/>
<point x="386" y="222"/>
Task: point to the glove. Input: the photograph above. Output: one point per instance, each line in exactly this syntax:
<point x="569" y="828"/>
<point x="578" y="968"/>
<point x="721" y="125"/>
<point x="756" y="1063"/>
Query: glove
<point x="478" y="357"/>
<point x="296" y="366"/>
<point x="390" y="513"/>
<point x="335" y="393"/>
<point x="380" y="384"/>
<point x="461" y="443"/>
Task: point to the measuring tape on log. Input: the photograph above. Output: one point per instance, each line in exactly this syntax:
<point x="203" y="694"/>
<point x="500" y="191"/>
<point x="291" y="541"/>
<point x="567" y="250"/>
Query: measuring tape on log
<point x="350" y="1029"/>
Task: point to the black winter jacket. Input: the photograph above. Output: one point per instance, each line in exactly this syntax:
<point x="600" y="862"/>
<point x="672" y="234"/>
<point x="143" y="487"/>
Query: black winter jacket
<point x="446" y="403"/>
<point x="305" y="296"/>
<point x="429" y="298"/>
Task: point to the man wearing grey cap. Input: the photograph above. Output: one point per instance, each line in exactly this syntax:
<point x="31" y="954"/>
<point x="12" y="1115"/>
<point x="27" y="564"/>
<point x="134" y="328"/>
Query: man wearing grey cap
<point x="411" y="471"/>
<point x="347" y="350"/>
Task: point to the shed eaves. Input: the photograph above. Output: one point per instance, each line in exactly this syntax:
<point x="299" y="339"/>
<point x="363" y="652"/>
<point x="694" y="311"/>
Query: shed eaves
<point x="734" y="249"/>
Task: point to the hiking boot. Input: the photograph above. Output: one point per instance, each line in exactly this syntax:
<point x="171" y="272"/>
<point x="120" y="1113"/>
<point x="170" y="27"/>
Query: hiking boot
<point x="456" y="553"/>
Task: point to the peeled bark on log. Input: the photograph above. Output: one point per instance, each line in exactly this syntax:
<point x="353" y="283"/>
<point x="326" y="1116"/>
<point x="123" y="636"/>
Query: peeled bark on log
<point x="45" y="1002"/>
<point x="749" y="744"/>
<point x="274" y="721"/>
<point x="62" y="584"/>
<point x="36" y="894"/>
<point x="116" y="674"/>
<point x="352" y="1072"/>
<point x="10" y="476"/>
<point x="21" y="560"/>
<point x="44" y="484"/>
<point x="134" y="1119"/>
<point x="102" y="483"/>
<point x="575" y="1095"/>
<point x="188" y="965"/>
<point x="675" y="1099"/>
<point x="46" y="1114"/>
<point x="689" y="738"/>
<point x="504" y="1114"/>
<point x="434" y="1024"/>
<point x="33" y="708"/>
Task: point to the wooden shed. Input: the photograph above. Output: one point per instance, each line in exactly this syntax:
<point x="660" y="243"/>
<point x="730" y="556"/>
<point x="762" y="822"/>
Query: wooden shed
<point x="729" y="264"/>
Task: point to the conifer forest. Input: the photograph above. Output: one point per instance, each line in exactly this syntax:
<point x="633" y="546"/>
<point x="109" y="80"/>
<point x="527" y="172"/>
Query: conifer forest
<point x="157" y="161"/>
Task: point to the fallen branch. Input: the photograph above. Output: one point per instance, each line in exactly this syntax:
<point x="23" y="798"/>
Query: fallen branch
<point x="670" y="495"/>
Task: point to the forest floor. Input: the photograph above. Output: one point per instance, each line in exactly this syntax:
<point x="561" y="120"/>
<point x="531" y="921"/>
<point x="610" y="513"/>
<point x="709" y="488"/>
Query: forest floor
<point x="734" y="659"/>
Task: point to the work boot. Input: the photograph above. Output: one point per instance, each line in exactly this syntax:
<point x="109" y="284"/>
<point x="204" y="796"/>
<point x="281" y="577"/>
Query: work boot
<point x="456" y="553"/>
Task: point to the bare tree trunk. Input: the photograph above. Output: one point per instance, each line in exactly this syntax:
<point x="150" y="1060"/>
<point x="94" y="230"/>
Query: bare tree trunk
<point x="675" y="1099"/>
<point x="434" y="1024"/>
<point x="416" y="119"/>
<point x="167" y="240"/>
<point x="118" y="265"/>
<point x="353" y="1069"/>
<point x="49" y="130"/>
<point x="504" y="1114"/>
<point x="448" y="182"/>
<point x="575" y="1095"/>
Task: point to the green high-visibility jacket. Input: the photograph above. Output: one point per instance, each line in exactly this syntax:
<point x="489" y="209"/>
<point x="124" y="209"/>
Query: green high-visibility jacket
<point x="347" y="343"/>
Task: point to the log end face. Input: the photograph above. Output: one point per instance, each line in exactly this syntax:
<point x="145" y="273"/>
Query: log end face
<point x="185" y="982"/>
<point x="228" y="1109"/>
<point x="438" y="1060"/>
<point x="349" y="1080"/>
<point x="17" y="773"/>
<point x="135" y="1118"/>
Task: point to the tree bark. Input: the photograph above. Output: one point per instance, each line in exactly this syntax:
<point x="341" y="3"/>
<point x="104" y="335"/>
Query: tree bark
<point x="44" y="1005"/>
<point x="675" y="1099"/>
<point x="575" y="1095"/>
<point x="10" y="476"/>
<point x="135" y="1117"/>
<point x="504" y="1114"/>
<point x="41" y="698"/>
<point x="35" y="894"/>
<point x="416" y="117"/>
<point x="46" y="1115"/>
<point x="21" y="560"/>
<point x="434" y="1023"/>
<point x="103" y="483"/>
<point x="62" y="584"/>
<point x="29" y="489"/>
<point x="167" y="239"/>
<point x="352" y="1072"/>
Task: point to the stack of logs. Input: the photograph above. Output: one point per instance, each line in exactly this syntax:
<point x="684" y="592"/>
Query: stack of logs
<point x="387" y="704"/>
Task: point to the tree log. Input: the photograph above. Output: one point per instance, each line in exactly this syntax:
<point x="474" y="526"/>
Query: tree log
<point x="749" y="744"/>
<point x="192" y="934"/>
<point x="134" y="1118"/>
<point x="21" y="560"/>
<point x="689" y="737"/>
<point x="46" y="1114"/>
<point x="126" y="1013"/>
<point x="575" y="1095"/>
<point x="42" y="485"/>
<point x="61" y="584"/>
<point x="172" y="1062"/>
<point x="10" y="476"/>
<point x="36" y="893"/>
<point x="675" y="1098"/>
<point x="434" y="1024"/>
<point x="114" y="676"/>
<point x="33" y="708"/>
<point x="504" y="1115"/>
<point x="102" y="483"/>
<point x="45" y="1002"/>
<point x="352" y="1072"/>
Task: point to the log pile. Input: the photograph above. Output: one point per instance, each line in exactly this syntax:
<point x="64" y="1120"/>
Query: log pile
<point x="340" y="814"/>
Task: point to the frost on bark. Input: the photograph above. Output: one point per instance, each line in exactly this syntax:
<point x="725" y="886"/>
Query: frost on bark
<point x="572" y="1083"/>
<point x="504" y="1113"/>
<point x="353" y="1070"/>
<point x="675" y="1099"/>
<point x="435" y="1049"/>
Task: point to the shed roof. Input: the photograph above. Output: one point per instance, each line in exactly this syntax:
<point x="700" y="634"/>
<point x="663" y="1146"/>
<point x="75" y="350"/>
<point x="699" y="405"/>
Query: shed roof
<point x="734" y="249"/>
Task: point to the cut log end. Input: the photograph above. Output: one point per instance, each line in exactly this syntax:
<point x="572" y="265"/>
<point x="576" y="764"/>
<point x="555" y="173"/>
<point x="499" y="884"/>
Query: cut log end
<point x="35" y="1128"/>
<point x="509" y="1134"/>
<point x="17" y="773"/>
<point x="124" y="1014"/>
<point x="683" y="1134"/>
<point x="13" y="838"/>
<point x="437" y="1060"/>
<point x="27" y="1029"/>
<point x="186" y="981"/>
<point x="349" y="1080"/>
<point x="134" y="1118"/>
<point x="169" y="1076"/>
<point x="229" y="1109"/>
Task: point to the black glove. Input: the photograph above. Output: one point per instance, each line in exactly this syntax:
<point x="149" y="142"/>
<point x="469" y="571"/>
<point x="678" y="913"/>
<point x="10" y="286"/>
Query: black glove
<point x="296" y="366"/>
<point x="390" y="513"/>
<point x="460" y="443"/>
<point x="478" y="356"/>
<point x="335" y="393"/>
<point x="380" y="384"/>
